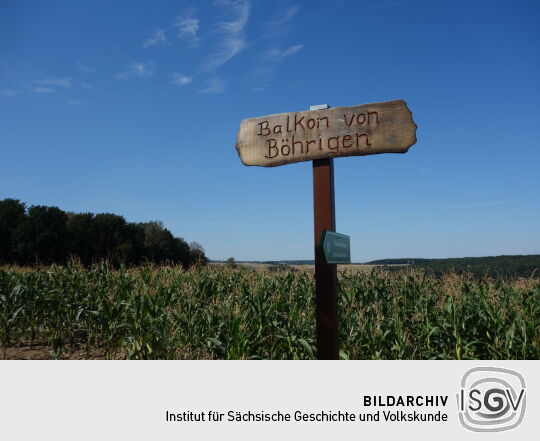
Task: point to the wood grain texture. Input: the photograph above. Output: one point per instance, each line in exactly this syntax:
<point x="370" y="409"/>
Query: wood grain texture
<point x="367" y="129"/>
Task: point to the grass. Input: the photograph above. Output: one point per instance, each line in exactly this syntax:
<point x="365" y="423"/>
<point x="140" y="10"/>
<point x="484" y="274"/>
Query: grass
<point x="154" y="312"/>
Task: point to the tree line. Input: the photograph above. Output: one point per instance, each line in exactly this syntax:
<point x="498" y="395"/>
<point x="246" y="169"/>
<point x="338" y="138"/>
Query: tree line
<point x="494" y="266"/>
<point x="47" y="235"/>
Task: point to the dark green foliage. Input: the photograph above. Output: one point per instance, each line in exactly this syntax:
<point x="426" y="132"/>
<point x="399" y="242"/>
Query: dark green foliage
<point x="503" y="266"/>
<point x="12" y="214"/>
<point x="197" y="254"/>
<point x="83" y="235"/>
<point x="46" y="235"/>
<point x="42" y="236"/>
<point x="161" y="245"/>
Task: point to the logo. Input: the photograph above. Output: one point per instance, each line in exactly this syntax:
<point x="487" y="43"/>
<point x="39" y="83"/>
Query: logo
<point x="491" y="399"/>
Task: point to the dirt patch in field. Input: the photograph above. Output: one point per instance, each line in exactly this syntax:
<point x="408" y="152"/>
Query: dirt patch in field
<point x="43" y="352"/>
<point x="37" y="352"/>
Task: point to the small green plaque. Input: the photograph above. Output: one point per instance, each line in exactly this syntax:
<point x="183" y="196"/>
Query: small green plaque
<point x="336" y="248"/>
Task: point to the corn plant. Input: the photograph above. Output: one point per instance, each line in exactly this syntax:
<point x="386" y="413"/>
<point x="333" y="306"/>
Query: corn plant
<point x="152" y="312"/>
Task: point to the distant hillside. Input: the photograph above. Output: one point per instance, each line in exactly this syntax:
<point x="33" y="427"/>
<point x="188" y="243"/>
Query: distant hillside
<point x="507" y="266"/>
<point x="271" y="262"/>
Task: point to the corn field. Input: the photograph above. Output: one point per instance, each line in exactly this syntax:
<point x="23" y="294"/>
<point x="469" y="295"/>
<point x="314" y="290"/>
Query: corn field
<point x="217" y="312"/>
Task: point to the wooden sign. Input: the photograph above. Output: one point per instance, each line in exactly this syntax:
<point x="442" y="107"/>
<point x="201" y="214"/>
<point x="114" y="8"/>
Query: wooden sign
<point x="285" y="138"/>
<point x="319" y="135"/>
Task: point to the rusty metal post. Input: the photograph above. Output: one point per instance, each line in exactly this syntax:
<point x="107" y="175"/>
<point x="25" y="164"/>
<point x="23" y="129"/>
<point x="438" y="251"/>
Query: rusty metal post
<point x="325" y="274"/>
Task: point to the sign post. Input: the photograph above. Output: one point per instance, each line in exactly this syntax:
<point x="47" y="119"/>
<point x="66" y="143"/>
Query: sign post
<point x="325" y="274"/>
<point x="320" y="135"/>
<point x="324" y="216"/>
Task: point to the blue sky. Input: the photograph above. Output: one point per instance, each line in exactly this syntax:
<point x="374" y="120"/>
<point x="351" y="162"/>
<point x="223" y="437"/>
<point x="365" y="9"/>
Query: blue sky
<point x="133" y="108"/>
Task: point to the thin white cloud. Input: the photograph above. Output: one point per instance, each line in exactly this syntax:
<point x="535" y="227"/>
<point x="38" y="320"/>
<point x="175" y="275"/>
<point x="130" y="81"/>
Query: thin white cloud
<point x="230" y="47"/>
<point x="44" y="90"/>
<point x="136" y="69"/>
<point x="270" y="60"/>
<point x="474" y="205"/>
<point x="158" y="37"/>
<point x="44" y="86"/>
<point x="187" y="27"/>
<point x="214" y="86"/>
<point x="177" y="79"/>
<point x="284" y="17"/>
<point x="84" y="68"/>
<point x="55" y="82"/>
<point x="74" y="102"/>
<point x="395" y="3"/>
<point x="261" y="87"/>
<point x="240" y="10"/>
<point x="233" y="39"/>
<point x="282" y="23"/>
<point x="278" y="55"/>
<point x="8" y="93"/>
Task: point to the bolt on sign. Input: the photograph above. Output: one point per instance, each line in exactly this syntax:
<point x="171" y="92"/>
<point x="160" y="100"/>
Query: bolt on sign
<point x="367" y="129"/>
